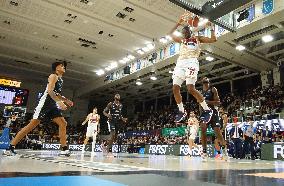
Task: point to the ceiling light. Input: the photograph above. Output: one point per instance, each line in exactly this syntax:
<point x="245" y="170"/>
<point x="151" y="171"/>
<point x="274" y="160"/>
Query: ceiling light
<point x="169" y="38"/>
<point x="130" y="57"/>
<point x="209" y="58"/>
<point x="85" y="21"/>
<point x="139" y="83"/>
<point x="122" y="61"/>
<point x="126" y="59"/>
<point x="177" y="33"/>
<point x="267" y="38"/>
<point x="163" y="40"/>
<point x="113" y="65"/>
<point x="34" y="33"/>
<point x="153" y="78"/>
<point x="100" y="72"/>
<point x="240" y="47"/>
<point x="108" y="68"/>
<point x="90" y="3"/>
<point x="140" y="51"/>
<point x="145" y="49"/>
<point x="150" y="46"/>
<point x="202" y="21"/>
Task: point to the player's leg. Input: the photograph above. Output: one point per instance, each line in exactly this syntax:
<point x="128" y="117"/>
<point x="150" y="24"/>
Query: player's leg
<point x="178" y="78"/>
<point x="62" y="124"/>
<point x="191" y="78"/>
<point x="20" y="135"/>
<point x="203" y="127"/>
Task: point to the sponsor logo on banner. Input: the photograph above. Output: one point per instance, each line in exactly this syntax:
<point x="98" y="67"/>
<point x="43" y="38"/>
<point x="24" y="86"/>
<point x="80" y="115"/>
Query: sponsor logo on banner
<point x="158" y="149"/>
<point x="76" y="147"/>
<point x="184" y="150"/>
<point x="49" y="146"/>
<point x="278" y="150"/>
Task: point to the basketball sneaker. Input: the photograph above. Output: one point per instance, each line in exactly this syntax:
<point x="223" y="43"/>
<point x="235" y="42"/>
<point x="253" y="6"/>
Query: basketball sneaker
<point x="180" y="117"/>
<point x="64" y="152"/>
<point x="10" y="151"/>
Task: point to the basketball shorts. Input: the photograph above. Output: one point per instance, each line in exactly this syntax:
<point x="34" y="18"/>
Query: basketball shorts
<point x="186" y="70"/>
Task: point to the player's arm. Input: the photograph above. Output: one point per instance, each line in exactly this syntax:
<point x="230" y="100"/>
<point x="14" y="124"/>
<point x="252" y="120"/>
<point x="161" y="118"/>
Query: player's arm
<point x="106" y="110"/>
<point x="87" y="118"/>
<point x="225" y="120"/>
<point x="212" y="39"/>
<point x="67" y="101"/>
<point x="175" y="38"/>
<point x="99" y="117"/>
<point x="216" y="98"/>
<point x="122" y="118"/>
<point x="52" y="79"/>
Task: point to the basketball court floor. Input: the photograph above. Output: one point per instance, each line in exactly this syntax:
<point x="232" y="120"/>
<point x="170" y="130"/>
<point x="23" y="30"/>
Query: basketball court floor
<point x="47" y="168"/>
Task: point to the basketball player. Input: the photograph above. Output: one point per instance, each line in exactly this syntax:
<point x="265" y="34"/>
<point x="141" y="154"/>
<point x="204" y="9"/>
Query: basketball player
<point x="223" y="118"/>
<point x="187" y="68"/>
<point x="212" y="98"/>
<point x="192" y="127"/>
<point x="113" y="112"/>
<point x="93" y="128"/>
<point x="49" y="108"/>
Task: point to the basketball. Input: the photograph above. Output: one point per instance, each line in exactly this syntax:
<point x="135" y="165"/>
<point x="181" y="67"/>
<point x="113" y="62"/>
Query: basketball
<point x="193" y="21"/>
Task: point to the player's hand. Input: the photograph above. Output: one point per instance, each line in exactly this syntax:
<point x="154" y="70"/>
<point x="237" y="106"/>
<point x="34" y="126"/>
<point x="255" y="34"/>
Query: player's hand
<point x="69" y="103"/>
<point x="61" y="105"/>
<point x="109" y="116"/>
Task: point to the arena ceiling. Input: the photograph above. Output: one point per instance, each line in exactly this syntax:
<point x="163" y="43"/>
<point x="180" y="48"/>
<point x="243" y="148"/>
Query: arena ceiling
<point x="92" y="34"/>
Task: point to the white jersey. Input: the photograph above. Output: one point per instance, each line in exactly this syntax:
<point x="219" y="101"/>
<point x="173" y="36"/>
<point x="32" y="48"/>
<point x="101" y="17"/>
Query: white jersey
<point x="93" y="120"/>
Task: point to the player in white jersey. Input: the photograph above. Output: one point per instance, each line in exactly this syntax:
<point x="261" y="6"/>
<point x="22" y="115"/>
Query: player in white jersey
<point x="192" y="128"/>
<point x="187" y="68"/>
<point x="93" y="128"/>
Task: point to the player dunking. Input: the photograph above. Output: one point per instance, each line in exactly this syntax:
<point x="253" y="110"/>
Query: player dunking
<point x="192" y="128"/>
<point x="93" y="128"/>
<point x="113" y="112"/>
<point x="49" y="107"/>
<point x="212" y="98"/>
<point x="187" y="68"/>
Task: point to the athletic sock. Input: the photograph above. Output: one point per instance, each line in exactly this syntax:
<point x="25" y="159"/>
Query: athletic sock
<point x="204" y="105"/>
<point x="180" y="107"/>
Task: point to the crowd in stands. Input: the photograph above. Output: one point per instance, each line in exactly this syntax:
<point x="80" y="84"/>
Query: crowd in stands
<point x="264" y="101"/>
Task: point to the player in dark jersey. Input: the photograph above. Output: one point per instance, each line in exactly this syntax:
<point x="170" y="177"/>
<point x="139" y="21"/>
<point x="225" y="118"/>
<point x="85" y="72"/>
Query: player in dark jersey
<point x="211" y="96"/>
<point x="49" y="108"/>
<point x="113" y="112"/>
<point x="223" y="120"/>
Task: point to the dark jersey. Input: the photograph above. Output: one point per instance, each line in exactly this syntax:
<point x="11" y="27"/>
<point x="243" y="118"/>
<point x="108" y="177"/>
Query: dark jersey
<point x="57" y="89"/>
<point x="115" y="111"/>
<point x="47" y="107"/>
<point x="208" y="95"/>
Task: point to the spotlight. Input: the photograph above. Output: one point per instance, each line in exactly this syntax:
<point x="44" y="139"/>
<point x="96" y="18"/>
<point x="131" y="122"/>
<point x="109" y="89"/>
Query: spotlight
<point x="130" y="57"/>
<point x="150" y="46"/>
<point x="140" y="51"/>
<point x="122" y="61"/>
<point x="153" y="78"/>
<point x="163" y="40"/>
<point x="267" y="38"/>
<point x="107" y="68"/>
<point x="113" y="65"/>
<point x="177" y="33"/>
<point x="139" y="83"/>
<point x="209" y="58"/>
<point x="100" y="72"/>
<point x="240" y="47"/>
<point x="145" y="49"/>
